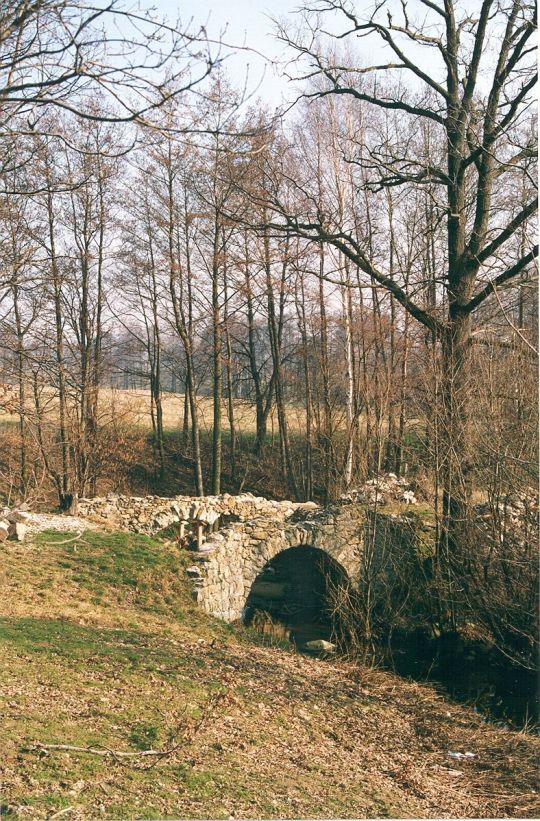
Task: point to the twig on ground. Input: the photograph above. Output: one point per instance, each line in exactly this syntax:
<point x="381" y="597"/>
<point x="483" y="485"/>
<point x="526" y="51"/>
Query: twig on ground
<point x="64" y="541"/>
<point x="59" y="813"/>
<point x="105" y="751"/>
<point x="121" y="756"/>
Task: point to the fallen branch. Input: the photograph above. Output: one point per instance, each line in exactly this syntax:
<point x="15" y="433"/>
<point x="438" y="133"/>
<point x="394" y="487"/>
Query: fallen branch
<point x="104" y="751"/>
<point x="65" y="541"/>
<point x="119" y="755"/>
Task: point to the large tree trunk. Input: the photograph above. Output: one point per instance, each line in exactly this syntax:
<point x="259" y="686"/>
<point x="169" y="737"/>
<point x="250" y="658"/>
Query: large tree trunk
<point x="302" y="326"/>
<point x="261" y="410"/>
<point x="218" y="367"/>
<point x="455" y="438"/>
<point x="22" y="391"/>
<point x="274" y="329"/>
<point x="229" y="372"/>
<point x="63" y="485"/>
<point x="326" y="432"/>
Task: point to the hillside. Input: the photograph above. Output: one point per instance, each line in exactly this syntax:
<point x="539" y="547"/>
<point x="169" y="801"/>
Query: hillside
<point x="102" y="648"/>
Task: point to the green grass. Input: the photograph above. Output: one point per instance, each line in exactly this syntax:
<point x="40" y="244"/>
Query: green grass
<point x="115" y="559"/>
<point x="144" y="736"/>
<point x="102" y="646"/>
<point x="130" y="567"/>
<point x="81" y="645"/>
<point x="119" y="676"/>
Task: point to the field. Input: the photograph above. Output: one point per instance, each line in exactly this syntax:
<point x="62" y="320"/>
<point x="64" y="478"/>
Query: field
<point x="133" y="406"/>
<point x="137" y="405"/>
<point x="122" y="700"/>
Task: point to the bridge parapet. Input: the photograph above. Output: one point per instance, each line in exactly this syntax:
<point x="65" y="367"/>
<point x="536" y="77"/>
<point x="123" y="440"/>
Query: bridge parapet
<point x="151" y="514"/>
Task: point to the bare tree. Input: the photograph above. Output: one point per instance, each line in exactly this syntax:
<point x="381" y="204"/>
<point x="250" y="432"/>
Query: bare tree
<point x="63" y="53"/>
<point x="483" y="139"/>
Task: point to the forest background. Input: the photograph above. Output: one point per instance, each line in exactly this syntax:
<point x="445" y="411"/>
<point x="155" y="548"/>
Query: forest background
<point x="201" y="293"/>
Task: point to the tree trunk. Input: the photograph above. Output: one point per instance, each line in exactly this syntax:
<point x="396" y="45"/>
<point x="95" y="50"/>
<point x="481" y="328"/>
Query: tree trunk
<point x="218" y="366"/>
<point x="64" y="485"/>
<point x="260" y="411"/>
<point x="275" y="345"/>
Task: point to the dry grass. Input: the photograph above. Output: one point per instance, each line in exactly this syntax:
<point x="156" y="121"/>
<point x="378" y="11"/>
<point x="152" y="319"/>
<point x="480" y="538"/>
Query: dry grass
<point x="137" y="405"/>
<point x="133" y="406"/>
<point x="101" y="645"/>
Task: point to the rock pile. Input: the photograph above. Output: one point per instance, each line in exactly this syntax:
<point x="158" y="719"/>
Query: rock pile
<point x="13" y="524"/>
<point x="150" y="514"/>
<point x="513" y="516"/>
<point x="383" y="490"/>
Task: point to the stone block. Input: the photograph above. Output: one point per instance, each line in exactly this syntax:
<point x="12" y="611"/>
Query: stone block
<point x="17" y="531"/>
<point x="18" y="516"/>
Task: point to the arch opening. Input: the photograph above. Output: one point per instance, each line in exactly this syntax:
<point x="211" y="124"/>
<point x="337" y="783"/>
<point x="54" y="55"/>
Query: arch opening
<point x="291" y="596"/>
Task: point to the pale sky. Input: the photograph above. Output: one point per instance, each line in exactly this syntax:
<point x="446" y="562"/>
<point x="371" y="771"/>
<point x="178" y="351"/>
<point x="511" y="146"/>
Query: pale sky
<point x="249" y="23"/>
<point x="244" y="22"/>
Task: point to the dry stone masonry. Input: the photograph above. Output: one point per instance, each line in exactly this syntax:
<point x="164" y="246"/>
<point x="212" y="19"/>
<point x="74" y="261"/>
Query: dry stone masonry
<point x="151" y="514"/>
<point x="228" y="563"/>
<point x="13" y="525"/>
<point x="234" y="537"/>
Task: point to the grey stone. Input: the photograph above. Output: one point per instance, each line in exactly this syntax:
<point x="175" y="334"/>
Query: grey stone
<point x="319" y="646"/>
<point x="17" y="531"/>
<point x="18" y="516"/>
<point x="226" y="565"/>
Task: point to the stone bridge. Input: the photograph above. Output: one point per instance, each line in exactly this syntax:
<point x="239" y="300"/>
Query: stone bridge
<point x="227" y="564"/>
<point x="233" y="539"/>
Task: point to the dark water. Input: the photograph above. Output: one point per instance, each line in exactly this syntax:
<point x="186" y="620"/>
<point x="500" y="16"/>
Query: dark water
<point x="292" y="591"/>
<point x="471" y="674"/>
<point x="501" y="692"/>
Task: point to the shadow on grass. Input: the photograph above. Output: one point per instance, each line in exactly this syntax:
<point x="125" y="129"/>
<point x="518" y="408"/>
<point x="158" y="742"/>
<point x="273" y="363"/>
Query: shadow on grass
<point x="80" y="645"/>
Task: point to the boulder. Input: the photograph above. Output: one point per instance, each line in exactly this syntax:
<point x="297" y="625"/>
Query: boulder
<point x="307" y="506"/>
<point x="319" y="646"/>
<point x="17" y="531"/>
<point x="268" y="590"/>
<point x="18" y="516"/>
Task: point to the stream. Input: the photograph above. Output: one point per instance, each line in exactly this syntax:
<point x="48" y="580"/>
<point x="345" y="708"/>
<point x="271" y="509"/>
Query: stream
<point x="472" y="674"/>
<point x="291" y="591"/>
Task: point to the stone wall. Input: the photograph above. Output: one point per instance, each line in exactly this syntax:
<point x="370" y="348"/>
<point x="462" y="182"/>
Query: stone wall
<point x="228" y="563"/>
<point x="150" y="514"/>
<point x="232" y="538"/>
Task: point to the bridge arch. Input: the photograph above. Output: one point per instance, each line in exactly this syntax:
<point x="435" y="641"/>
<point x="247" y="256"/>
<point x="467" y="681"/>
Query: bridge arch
<point x="228" y="564"/>
<point x="294" y="590"/>
<point x="231" y="538"/>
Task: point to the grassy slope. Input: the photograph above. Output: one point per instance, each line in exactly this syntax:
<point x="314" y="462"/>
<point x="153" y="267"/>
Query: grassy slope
<point x="101" y="645"/>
